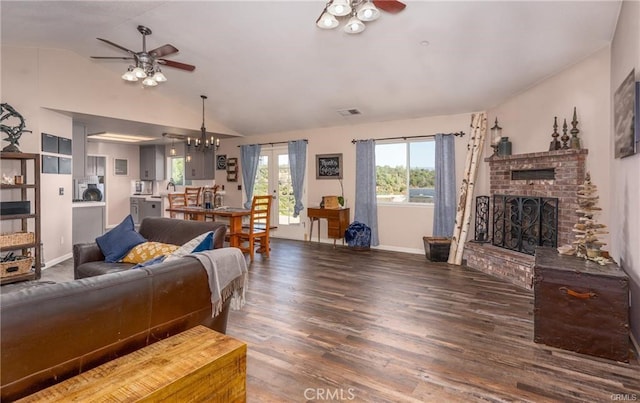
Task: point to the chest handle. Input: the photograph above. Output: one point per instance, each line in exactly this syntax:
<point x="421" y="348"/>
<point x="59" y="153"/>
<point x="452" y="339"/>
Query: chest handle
<point x="579" y="295"/>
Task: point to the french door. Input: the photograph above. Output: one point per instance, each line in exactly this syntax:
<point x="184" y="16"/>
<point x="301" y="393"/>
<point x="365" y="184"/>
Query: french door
<point x="274" y="178"/>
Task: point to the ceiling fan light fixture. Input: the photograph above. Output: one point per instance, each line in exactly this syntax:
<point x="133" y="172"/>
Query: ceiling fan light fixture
<point x="129" y="75"/>
<point x="159" y="77"/>
<point x="368" y="12"/>
<point x="327" y="21"/>
<point x="146" y="63"/>
<point x="339" y="8"/>
<point x="354" y="26"/>
<point x="139" y="72"/>
<point x="149" y="82"/>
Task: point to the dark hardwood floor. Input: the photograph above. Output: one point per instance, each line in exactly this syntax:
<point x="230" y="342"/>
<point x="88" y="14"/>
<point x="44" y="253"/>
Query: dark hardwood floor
<point x="325" y="324"/>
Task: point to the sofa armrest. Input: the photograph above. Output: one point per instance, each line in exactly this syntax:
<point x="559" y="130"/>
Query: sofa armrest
<point x="219" y="234"/>
<point x="83" y="253"/>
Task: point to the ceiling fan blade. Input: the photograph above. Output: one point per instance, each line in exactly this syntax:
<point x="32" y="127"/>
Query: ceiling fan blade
<point x="112" y="57"/>
<point x="176" y="65"/>
<point x="163" y="50"/>
<point x="390" y="6"/>
<point x="117" y="46"/>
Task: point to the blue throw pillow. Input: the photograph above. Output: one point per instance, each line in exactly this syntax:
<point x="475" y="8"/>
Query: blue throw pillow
<point x="117" y="242"/>
<point x="206" y="244"/>
<point x="198" y="244"/>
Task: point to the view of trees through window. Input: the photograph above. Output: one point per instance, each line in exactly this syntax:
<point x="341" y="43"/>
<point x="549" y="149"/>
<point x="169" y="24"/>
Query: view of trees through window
<point x="405" y="172"/>
<point x="177" y="170"/>
<point x="286" y="200"/>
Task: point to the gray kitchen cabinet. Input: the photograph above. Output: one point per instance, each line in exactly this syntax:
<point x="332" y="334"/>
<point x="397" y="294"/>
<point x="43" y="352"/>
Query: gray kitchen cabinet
<point x="152" y="162"/>
<point x="79" y="151"/>
<point x="88" y="223"/>
<point x="151" y="208"/>
<point x="201" y="166"/>
<point x="96" y="166"/>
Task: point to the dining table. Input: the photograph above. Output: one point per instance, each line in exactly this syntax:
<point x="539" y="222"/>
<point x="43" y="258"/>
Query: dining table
<point x="234" y="214"/>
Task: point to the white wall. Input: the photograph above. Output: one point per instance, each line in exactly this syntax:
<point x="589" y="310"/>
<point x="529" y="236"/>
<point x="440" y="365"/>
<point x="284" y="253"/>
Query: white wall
<point x="56" y="209"/>
<point x="117" y="188"/>
<point x="527" y="119"/>
<point x="20" y="89"/>
<point x="399" y="227"/>
<point x="625" y="173"/>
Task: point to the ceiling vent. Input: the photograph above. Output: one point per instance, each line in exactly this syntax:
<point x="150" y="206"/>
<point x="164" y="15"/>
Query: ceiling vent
<point x="349" y="112"/>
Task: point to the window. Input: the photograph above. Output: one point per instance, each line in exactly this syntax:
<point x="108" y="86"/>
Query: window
<point x="177" y="170"/>
<point x="405" y="172"/>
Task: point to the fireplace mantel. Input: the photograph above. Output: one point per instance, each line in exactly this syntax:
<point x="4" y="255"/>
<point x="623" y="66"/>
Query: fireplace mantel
<point x="537" y="155"/>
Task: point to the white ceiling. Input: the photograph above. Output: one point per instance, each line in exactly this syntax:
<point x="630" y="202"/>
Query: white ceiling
<point x="266" y="67"/>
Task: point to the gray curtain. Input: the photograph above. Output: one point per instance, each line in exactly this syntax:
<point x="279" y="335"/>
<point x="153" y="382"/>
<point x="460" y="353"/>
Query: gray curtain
<point x="297" y="167"/>
<point x="249" y="158"/>
<point x="445" y="198"/>
<point x="366" y="202"/>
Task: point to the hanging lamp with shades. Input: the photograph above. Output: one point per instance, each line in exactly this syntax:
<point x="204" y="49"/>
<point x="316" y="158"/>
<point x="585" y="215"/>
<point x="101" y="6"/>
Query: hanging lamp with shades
<point x="357" y="12"/>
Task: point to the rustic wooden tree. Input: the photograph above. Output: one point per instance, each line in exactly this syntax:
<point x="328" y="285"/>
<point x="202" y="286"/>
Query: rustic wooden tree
<point x="587" y="230"/>
<point x="463" y="211"/>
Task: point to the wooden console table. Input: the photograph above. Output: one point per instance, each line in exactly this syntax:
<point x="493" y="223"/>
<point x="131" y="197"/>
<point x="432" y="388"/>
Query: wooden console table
<point x="337" y="221"/>
<point x="198" y="364"/>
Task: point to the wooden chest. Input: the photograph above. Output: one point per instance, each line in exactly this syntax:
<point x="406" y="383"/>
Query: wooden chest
<point x="580" y="305"/>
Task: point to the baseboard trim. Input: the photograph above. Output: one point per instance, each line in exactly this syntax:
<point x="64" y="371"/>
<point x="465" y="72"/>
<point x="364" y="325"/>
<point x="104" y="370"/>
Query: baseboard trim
<point x="57" y="260"/>
<point x="399" y="249"/>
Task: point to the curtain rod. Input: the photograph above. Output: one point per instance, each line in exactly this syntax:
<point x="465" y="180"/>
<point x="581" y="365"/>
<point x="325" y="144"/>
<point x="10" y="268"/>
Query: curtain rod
<point x="273" y="142"/>
<point x="460" y="134"/>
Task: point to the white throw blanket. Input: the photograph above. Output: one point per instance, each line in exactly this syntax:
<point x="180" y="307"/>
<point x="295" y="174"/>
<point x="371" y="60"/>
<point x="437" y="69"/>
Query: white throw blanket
<point x="228" y="276"/>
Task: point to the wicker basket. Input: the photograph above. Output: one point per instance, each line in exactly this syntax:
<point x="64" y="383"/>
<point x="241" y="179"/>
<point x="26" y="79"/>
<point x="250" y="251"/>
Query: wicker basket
<point x="17" y="267"/>
<point x="17" y="238"/>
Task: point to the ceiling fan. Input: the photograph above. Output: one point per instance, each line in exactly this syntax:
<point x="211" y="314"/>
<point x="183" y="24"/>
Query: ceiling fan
<point x="146" y="64"/>
<point x="359" y="11"/>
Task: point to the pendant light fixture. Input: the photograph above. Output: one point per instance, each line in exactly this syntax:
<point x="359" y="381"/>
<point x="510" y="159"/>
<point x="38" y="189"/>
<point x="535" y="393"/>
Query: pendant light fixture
<point x="204" y="143"/>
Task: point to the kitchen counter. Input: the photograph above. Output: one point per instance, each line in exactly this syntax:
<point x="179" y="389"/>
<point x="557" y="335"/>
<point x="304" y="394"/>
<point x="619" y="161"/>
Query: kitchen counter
<point x="147" y="197"/>
<point x="88" y="204"/>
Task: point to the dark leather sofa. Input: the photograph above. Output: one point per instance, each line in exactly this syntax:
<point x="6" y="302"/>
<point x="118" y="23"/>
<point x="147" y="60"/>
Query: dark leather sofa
<point x="51" y="333"/>
<point x="88" y="260"/>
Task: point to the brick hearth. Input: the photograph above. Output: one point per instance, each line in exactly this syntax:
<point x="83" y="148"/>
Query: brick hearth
<point x="569" y="172"/>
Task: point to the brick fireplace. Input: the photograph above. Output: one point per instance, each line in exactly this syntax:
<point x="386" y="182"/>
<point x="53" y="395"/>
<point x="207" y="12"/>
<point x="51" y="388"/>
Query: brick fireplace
<point x="555" y="174"/>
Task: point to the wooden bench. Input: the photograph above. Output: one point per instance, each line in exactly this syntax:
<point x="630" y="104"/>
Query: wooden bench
<point x="196" y="365"/>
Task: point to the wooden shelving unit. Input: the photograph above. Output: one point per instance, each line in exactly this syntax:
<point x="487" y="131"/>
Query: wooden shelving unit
<point x="29" y="191"/>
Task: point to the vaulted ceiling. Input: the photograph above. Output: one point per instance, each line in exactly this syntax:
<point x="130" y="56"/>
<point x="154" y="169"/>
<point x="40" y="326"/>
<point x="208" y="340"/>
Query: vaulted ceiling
<point x="266" y="67"/>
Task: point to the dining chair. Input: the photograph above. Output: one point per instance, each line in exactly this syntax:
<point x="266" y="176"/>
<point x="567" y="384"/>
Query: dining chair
<point x="192" y="196"/>
<point x="258" y="229"/>
<point x="176" y="200"/>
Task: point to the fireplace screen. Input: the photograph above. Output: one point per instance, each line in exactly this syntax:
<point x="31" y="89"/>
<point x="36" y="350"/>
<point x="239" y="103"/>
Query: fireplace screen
<point x="521" y="223"/>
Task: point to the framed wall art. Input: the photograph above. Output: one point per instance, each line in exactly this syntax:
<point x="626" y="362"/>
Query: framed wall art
<point x="120" y="166"/>
<point x="221" y="162"/>
<point x="328" y="166"/>
<point x="624" y="100"/>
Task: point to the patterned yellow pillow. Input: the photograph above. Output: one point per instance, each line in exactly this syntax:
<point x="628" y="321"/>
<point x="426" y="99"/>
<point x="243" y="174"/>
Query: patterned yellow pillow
<point x="147" y="251"/>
